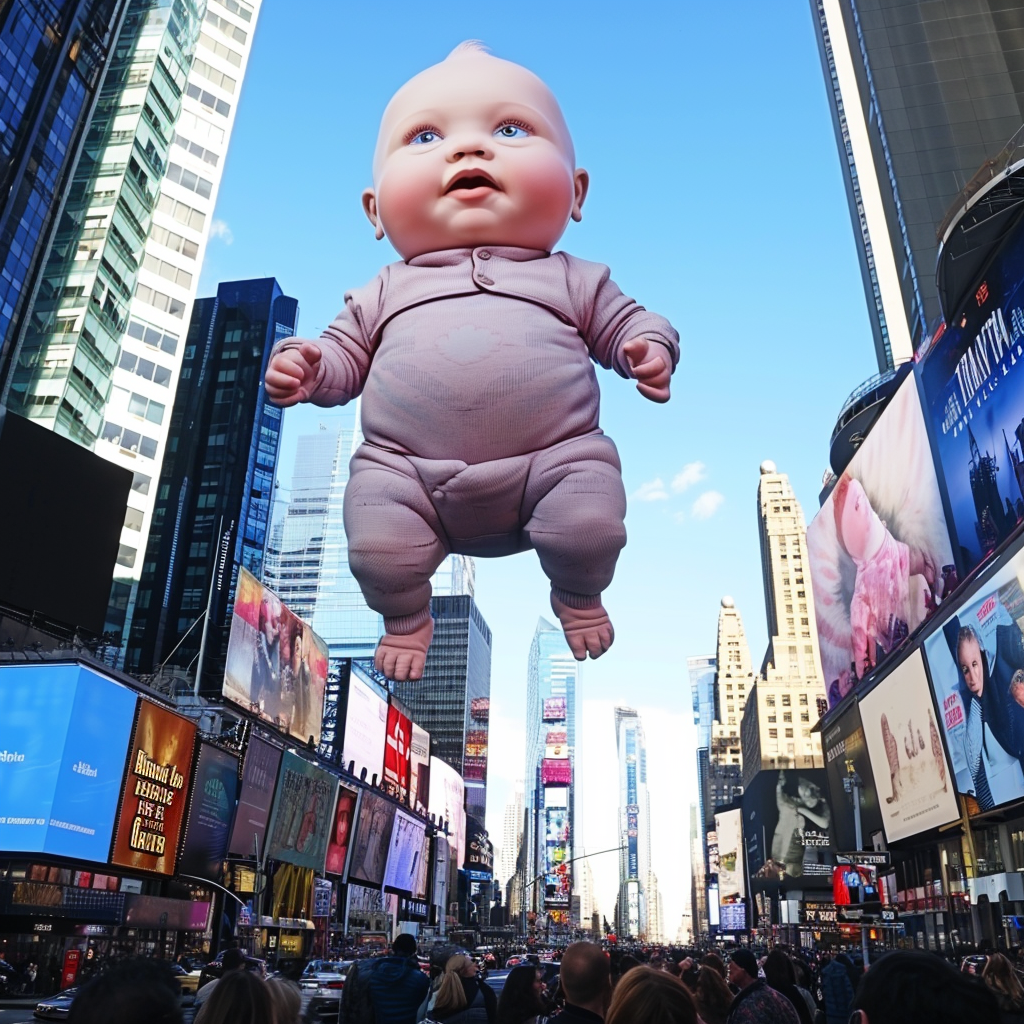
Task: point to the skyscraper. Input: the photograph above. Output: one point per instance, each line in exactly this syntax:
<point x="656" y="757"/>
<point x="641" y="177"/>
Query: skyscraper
<point x="732" y="685"/>
<point x="634" y="825"/>
<point x="655" y="924"/>
<point x="512" y="834"/>
<point x="922" y="94"/>
<point x="702" y="672"/>
<point x="215" y="485"/>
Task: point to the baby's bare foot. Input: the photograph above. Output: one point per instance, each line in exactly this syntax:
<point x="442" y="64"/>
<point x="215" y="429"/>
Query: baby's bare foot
<point x="402" y="656"/>
<point x="587" y="630"/>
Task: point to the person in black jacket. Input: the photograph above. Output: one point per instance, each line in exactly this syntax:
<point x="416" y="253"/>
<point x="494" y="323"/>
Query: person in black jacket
<point x="1001" y="978"/>
<point x="386" y="989"/>
<point x="585" y="977"/>
<point x="779" y="973"/>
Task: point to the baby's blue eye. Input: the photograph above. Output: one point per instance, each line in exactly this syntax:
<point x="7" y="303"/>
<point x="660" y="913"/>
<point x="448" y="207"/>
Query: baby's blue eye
<point x="511" y="131"/>
<point x="424" y="137"/>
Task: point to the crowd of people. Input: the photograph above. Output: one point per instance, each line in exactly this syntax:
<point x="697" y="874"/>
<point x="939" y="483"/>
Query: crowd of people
<point x="587" y="985"/>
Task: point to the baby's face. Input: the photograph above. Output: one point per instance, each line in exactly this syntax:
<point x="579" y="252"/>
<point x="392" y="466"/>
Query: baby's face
<point x="473" y="151"/>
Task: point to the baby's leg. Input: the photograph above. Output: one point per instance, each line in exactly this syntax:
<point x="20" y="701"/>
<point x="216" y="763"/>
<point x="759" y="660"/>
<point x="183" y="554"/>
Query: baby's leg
<point x="394" y="547"/>
<point x="577" y="529"/>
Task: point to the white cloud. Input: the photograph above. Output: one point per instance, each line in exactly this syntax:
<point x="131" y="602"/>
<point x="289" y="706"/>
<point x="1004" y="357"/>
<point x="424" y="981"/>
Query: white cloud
<point x="692" y="473"/>
<point x="653" y="490"/>
<point x="679" y="517"/>
<point x="707" y="505"/>
<point x="219" y="229"/>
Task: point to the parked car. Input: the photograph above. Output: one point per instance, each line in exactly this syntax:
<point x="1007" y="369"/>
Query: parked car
<point x="215" y="968"/>
<point x="290" y="967"/>
<point x="56" y="1007"/>
<point x="321" y="985"/>
<point x="9" y="977"/>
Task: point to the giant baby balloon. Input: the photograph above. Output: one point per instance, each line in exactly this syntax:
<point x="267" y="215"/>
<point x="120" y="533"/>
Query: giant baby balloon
<point x="474" y="358"/>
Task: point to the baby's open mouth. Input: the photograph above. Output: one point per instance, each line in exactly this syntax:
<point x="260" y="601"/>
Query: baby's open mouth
<point x="472" y="181"/>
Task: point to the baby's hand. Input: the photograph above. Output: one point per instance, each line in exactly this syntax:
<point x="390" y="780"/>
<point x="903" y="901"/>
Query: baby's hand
<point x="650" y="367"/>
<point x="291" y="374"/>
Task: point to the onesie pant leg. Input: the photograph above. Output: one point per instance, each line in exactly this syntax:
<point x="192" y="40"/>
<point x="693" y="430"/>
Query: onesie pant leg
<point x="394" y="538"/>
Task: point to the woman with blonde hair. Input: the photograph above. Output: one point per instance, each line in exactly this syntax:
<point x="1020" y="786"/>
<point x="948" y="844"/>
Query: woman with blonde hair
<point x="287" y="999"/>
<point x="1002" y="979"/>
<point x="653" y="997"/>
<point x="461" y="997"/>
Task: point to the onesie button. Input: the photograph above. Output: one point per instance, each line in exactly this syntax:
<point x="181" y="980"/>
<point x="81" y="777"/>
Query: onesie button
<point x="485" y="280"/>
<point x="437" y="494"/>
<point x="484" y="254"/>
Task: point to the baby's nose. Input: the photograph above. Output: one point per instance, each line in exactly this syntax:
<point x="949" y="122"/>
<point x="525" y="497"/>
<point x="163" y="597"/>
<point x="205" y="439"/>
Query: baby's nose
<point x="469" y="145"/>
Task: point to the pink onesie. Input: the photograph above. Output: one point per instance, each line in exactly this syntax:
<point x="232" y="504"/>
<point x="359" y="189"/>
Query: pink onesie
<point x="480" y="417"/>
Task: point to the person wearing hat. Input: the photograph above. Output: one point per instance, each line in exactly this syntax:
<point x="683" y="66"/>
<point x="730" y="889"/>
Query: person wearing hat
<point x="756" y="1002"/>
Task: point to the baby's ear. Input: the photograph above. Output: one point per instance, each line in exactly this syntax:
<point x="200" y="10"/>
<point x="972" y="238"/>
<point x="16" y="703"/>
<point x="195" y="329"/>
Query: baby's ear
<point x="370" y="209"/>
<point x="580" y="182"/>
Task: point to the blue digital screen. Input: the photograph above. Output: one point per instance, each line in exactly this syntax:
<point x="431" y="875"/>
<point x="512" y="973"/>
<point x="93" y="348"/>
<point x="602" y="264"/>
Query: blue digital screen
<point x="64" y="733"/>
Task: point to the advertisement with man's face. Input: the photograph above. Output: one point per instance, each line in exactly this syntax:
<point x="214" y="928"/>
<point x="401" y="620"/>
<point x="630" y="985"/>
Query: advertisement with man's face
<point x="879" y="549"/>
<point x="276" y="665"/>
<point x="155" y="791"/>
<point x="787" y="829"/>
<point x="366" y="726"/>
<point x="729" y="828"/>
<point x="973" y="381"/>
<point x="976" y="662"/>
<point x="341" y="835"/>
<point x="915" y="790"/>
<point x="373" y="838"/>
<point x="212" y="807"/>
<point x="59" y="785"/>
<point x="259" y="779"/>
<point x="303" y="813"/>
<point x="843" y="743"/>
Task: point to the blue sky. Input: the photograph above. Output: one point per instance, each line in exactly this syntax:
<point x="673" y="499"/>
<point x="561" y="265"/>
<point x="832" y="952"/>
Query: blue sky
<point x="717" y="201"/>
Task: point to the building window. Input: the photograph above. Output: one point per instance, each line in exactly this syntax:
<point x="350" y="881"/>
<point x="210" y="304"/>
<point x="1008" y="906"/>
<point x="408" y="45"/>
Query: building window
<point x="803" y="696"/>
<point x="773" y="734"/>
<point x="789" y="734"/>
<point x="132" y="518"/>
<point x="126" y="555"/>
<point x="787" y="716"/>
<point x="786" y="700"/>
<point x="770" y="700"/>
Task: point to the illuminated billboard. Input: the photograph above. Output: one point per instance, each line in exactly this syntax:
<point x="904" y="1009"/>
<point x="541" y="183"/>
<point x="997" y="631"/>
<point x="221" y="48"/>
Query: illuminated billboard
<point x="556" y="743"/>
<point x="276" y="666"/>
<point x="61" y="783"/>
<point x="879" y="548"/>
<point x="976" y="663"/>
<point x="341" y="835"/>
<point x="555" y="771"/>
<point x="155" y="791"/>
<point x="843" y="742"/>
<point x="300" y="825"/>
<point x="405" y="854"/>
<point x="398" y="750"/>
<point x="733" y="917"/>
<point x="554" y="709"/>
<point x="910" y="771"/>
<point x="214" y="793"/>
<point x="729" y="828"/>
<point x="373" y="838"/>
<point x="259" y="779"/>
<point x="448" y="801"/>
<point x="557" y="872"/>
<point x="419" y="769"/>
<point x="366" y="726"/>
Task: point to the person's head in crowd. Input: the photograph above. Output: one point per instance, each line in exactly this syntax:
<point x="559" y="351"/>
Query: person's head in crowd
<point x="585" y="977"/>
<point x="999" y="975"/>
<point x="626" y="963"/>
<point x="913" y="987"/>
<point x="136" y="991"/>
<point x="778" y="970"/>
<point x="404" y="944"/>
<point x="715" y="962"/>
<point x="451" y="996"/>
<point x="287" y="999"/>
<point x="689" y="975"/>
<point x="742" y="968"/>
<point x="802" y="973"/>
<point x="233" y="959"/>
<point x="240" y="997"/>
<point x="522" y="996"/>
<point x="651" y="996"/>
<point x="713" y="995"/>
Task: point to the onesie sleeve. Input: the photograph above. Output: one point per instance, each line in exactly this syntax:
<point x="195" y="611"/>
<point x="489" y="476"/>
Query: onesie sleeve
<point x="607" y="319"/>
<point x="346" y="345"/>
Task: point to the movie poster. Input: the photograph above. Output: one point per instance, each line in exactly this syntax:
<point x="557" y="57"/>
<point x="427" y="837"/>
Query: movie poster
<point x="915" y="791"/>
<point x="976" y="662"/>
<point x="259" y="778"/>
<point x="842" y="742"/>
<point x="341" y="835"/>
<point x="303" y="813"/>
<point x="879" y="549"/>
<point x="373" y="838"/>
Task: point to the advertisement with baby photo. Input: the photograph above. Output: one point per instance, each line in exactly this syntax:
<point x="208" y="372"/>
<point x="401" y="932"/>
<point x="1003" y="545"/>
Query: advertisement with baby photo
<point x="976" y="661"/>
<point x="974" y="394"/>
<point x="879" y="549"/>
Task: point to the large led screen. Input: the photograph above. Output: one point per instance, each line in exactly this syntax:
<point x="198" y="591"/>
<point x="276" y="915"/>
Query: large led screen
<point x="557" y="872"/>
<point x="976" y="661"/>
<point x="419" y="769"/>
<point x="973" y="381"/>
<point x="555" y="771"/>
<point x="214" y="794"/>
<point x="303" y="814"/>
<point x="843" y="742"/>
<point x="276" y="665"/>
<point x="879" y="549"/>
<point x="729" y="827"/>
<point x="787" y="825"/>
<point x="915" y="791"/>
<point x="554" y="709"/>
<point x="448" y="801"/>
<point x="259" y="778"/>
<point x="59" y="784"/>
<point x="373" y="838"/>
<point x="398" y="750"/>
<point x="341" y="836"/>
<point x="155" y="791"/>
<point x="405" y="854"/>
<point x="366" y="726"/>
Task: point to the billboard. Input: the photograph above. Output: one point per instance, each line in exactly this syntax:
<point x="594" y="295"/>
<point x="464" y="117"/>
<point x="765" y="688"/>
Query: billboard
<point x="976" y="662"/>
<point x="729" y="828"/>
<point x="633" y="908"/>
<point x="406" y="854"/>
<point x="276" y="666"/>
<point x="479" y="849"/>
<point x="155" y="791"/>
<point x="557" y="873"/>
<point x="300" y="824"/>
<point x="373" y="838"/>
<point x="879" y="547"/>
<point x="841" y="742"/>
<point x="555" y="771"/>
<point x="474" y="763"/>
<point x="398" y="750"/>
<point x="341" y="834"/>
<point x="974" y="396"/>
<point x="556" y="743"/>
<point x="910" y="771"/>
<point x="787" y="828"/>
<point x="732" y="917"/>
<point x="712" y="845"/>
<point x="448" y="801"/>
<point x="554" y="709"/>
<point x="419" y="769"/>
<point x="214" y="794"/>
<point x="259" y="778"/>
<point x="366" y="726"/>
<point x="61" y="783"/>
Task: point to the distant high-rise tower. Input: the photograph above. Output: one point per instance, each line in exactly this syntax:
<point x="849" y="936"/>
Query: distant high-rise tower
<point x="654" y="914"/>
<point x="512" y="835"/>
<point x="702" y="672"/>
<point x="732" y="685"/>
<point x="698" y="876"/>
<point x="634" y="824"/>
<point x="922" y="94"/>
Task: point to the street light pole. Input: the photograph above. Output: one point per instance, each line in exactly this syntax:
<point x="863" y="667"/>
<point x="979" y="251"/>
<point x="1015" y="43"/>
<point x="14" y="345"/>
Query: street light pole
<point x="853" y="784"/>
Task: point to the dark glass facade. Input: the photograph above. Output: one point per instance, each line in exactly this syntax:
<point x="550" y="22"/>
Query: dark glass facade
<point x="52" y="56"/>
<point x="217" y="478"/>
<point x="940" y="88"/>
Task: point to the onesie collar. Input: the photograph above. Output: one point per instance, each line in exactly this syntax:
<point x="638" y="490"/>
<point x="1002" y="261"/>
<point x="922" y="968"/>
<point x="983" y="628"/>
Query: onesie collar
<point x="452" y="257"/>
